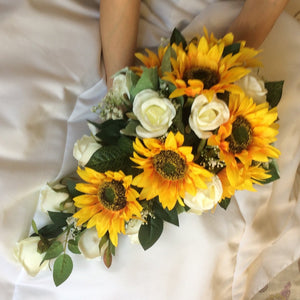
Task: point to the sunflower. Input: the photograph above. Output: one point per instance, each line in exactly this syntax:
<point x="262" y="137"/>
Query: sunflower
<point x="168" y="170"/>
<point x="201" y="69"/>
<point x="243" y="179"/>
<point x="107" y="203"/>
<point x="247" y="136"/>
<point x="151" y="60"/>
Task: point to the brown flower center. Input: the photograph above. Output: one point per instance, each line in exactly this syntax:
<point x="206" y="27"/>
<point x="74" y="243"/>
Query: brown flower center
<point x="241" y="135"/>
<point x="112" y="195"/>
<point x="207" y="76"/>
<point x="170" y="165"/>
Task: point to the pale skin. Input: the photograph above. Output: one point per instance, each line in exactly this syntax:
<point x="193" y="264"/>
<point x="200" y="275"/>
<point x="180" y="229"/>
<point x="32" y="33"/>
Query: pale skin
<point x="119" y="27"/>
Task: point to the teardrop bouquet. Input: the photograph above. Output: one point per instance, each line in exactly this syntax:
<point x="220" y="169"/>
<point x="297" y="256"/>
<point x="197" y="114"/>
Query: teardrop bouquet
<point x="178" y="134"/>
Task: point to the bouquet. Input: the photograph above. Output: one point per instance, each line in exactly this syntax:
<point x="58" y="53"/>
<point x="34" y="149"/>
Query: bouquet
<point x="178" y="134"/>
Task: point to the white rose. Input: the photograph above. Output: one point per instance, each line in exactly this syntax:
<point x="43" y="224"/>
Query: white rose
<point x="206" y="116"/>
<point x="205" y="199"/>
<point x="50" y="200"/>
<point x="154" y="113"/>
<point x="253" y="87"/>
<point x="120" y="86"/>
<point x="84" y="148"/>
<point x="89" y="243"/>
<point x="26" y="253"/>
<point x="132" y="230"/>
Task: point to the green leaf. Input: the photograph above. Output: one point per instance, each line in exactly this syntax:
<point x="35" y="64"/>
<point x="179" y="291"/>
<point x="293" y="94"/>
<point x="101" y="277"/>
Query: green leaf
<point x="130" y="129"/>
<point x="170" y="216"/>
<point x="233" y="48"/>
<point x="178" y="38"/>
<point x="55" y="249"/>
<point x="71" y="184"/>
<point x="132" y="78"/>
<point x="109" y="158"/>
<point x="126" y="145"/>
<point x="62" y="269"/>
<point x="34" y="227"/>
<point x="273" y="170"/>
<point x="73" y="246"/>
<point x="166" y="65"/>
<point x="224" y="203"/>
<point x="59" y="218"/>
<point x="274" y="92"/>
<point x="109" y="133"/>
<point x="107" y="257"/>
<point x="150" y="232"/>
<point x="50" y="231"/>
<point x="148" y="80"/>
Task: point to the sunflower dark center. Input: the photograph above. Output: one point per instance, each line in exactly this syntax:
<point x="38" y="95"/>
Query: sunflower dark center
<point x="112" y="195"/>
<point x="169" y="165"/>
<point x="207" y="76"/>
<point x="241" y="135"/>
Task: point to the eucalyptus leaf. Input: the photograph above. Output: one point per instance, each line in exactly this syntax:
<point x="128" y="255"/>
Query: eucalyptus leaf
<point x="62" y="269"/>
<point x="274" y="92"/>
<point x="150" y="232"/>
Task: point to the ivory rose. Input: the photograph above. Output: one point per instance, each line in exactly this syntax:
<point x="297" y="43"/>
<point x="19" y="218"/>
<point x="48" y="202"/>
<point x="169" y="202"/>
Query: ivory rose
<point x="205" y="199"/>
<point x="26" y="253"/>
<point x="154" y="113"/>
<point x="50" y="199"/>
<point x="132" y="230"/>
<point x="120" y="86"/>
<point x="84" y="148"/>
<point x="89" y="243"/>
<point x="206" y="116"/>
<point x="253" y="87"/>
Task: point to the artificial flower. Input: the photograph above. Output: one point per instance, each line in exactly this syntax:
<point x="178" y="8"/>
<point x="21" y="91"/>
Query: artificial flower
<point x="168" y="170"/>
<point x="84" y="148"/>
<point x="207" y="116"/>
<point x="89" y="243"/>
<point x="51" y="199"/>
<point x="26" y="253"/>
<point x="107" y="202"/>
<point x="154" y="113"/>
<point x="120" y="86"/>
<point x="254" y="87"/>
<point x="248" y="134"/>
<point x="205" y="199"/>
<point x="201" y="69"/>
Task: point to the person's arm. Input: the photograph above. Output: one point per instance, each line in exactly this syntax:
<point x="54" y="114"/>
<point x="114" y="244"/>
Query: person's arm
<point x="118" y="29"/>
<point x="256" y="20"/>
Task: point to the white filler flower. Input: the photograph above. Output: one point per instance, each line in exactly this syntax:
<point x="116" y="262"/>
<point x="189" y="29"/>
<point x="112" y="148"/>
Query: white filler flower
<point x="206" y="116"/>
<point x="205" y="199"/>
<point x="84" y="148"/>
<point x="26" y="253"/>
<point x="254" y="87"/>
<point x="154" y="113"/>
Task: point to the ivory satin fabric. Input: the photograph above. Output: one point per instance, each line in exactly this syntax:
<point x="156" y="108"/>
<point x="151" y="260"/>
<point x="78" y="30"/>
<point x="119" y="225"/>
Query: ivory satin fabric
<point x="48" y="82"/>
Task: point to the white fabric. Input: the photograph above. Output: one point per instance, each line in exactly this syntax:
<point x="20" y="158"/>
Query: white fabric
<point x="49" y="55"/>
